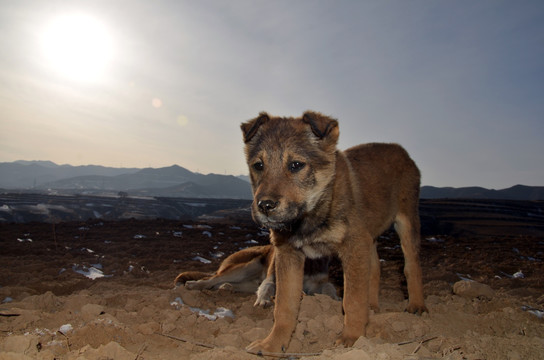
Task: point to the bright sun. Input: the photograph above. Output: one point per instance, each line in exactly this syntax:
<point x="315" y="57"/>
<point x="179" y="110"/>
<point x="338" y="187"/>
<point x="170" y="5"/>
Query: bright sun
<point x="78" y="47"/>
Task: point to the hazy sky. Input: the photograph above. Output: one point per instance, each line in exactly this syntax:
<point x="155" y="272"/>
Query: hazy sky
<point x="460" y="84"/>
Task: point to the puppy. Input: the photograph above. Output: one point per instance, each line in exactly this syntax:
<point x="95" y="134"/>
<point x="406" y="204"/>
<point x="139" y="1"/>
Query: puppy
<point x="252" y="270"/>
<point x="318" y="201"/>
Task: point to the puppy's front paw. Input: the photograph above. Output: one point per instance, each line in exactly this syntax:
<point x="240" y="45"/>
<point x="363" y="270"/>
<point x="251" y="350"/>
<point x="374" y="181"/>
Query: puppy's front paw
<point x="417" y="309"/>
<point x="193" y="285"/>
<point x="349" y="336"/>
<point x="226" y="286"/>
<point x="346" y="341"/>
<point x="265" y="293"/>
<point x="263" y="302"/>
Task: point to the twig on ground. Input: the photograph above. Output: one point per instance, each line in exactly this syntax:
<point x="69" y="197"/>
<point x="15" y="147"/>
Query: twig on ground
<point x="417" y="348"/>
<point x="415" y="340"/>
<point x="187" y="341"/>
<point x="282" y="355"/>
<point x="67" y="339"/>
<point x="140" y="352"/>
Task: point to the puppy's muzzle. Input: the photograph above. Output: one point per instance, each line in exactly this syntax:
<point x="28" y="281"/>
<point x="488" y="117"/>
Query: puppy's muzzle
<point x="267" y="206"/>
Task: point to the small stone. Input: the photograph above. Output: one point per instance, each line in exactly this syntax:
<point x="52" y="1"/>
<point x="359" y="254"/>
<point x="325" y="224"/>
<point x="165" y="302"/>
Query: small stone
<point x="473" y="289"/>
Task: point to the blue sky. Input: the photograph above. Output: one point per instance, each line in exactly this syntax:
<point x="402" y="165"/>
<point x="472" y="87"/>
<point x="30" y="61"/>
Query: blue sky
<point x="460" y="84"/>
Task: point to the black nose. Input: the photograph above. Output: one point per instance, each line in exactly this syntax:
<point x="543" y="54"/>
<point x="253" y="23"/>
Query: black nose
<point x="266" y="206"/>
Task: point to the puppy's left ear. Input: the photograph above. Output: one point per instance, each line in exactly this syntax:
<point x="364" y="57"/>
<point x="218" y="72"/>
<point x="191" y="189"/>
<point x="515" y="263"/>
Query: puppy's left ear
<point x="250" y="128"/>
<point x="322" y="126"/>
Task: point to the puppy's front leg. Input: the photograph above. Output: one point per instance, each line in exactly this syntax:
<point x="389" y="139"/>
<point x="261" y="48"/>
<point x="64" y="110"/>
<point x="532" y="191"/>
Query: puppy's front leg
<point x="289" y="276"/>
<point x="355" y="259"/>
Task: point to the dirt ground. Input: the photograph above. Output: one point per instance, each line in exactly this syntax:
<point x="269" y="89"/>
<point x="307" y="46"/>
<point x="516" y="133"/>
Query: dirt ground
<point x="52" y="309"/>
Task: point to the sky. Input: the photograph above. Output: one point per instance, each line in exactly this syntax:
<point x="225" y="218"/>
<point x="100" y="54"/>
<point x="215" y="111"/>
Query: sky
<point x="134" y="83"/>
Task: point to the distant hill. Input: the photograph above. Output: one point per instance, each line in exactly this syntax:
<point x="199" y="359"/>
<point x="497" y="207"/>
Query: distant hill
<point x="167" y="181"/>
<point x="517" y="192"/>
<point x="31" y="174"/>
<point x="244" y="177"/>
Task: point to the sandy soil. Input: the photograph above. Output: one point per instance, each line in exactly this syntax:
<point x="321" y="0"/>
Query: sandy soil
<point x="51" y="309"/>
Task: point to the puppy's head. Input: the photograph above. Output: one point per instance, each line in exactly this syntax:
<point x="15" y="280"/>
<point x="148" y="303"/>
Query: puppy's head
<point x="291" y="164"/>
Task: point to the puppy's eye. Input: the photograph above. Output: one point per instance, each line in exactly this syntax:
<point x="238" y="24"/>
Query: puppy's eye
<point x="259" y="166"/>
<point x="296" y="166"/>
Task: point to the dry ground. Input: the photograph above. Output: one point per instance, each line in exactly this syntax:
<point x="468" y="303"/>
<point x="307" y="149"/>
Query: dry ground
<point x="50" y="310"/>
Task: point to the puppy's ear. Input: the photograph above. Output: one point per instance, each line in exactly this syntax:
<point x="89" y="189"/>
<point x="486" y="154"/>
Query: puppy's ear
<point x="249" y="129"/>
<point x="322" y="126"/>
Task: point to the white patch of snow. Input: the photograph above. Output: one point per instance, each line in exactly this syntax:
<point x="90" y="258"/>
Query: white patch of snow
<point x="66" y="328"/>
<point x="218" y="313"/>
<point x="91" y="272"/>
<point x="202" y="260"/>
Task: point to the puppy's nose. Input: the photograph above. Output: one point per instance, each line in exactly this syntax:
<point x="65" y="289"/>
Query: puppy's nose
<point x="266" y="206"/>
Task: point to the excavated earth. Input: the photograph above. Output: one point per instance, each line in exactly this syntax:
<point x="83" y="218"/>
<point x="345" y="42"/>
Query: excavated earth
<point x="104" y="290"/>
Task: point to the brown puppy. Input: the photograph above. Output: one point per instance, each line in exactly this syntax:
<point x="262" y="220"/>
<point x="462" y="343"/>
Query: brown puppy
<point x="252" y="270"/>
<point x="244" y="270"/>
<point x="318" y="201"/>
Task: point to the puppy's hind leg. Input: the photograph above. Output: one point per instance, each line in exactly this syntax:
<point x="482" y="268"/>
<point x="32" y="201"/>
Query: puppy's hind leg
<point x="189" y="276"/>
<point x="407" y="227"/>
<point x="235" y="274"/>
<point x="374" y="287"/>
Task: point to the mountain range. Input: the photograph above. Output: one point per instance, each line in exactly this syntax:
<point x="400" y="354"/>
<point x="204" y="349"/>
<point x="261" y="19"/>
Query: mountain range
<point x="172" y="181"/>
<point x="176" y="181"/>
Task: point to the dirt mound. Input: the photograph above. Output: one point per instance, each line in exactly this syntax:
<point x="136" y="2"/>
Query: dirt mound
<point x="53" y="309"/>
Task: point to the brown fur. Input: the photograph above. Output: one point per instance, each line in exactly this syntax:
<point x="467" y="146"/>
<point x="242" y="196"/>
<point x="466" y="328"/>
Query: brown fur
<point x="251" y="270"/>
<point x="244" y="270"/>
<point x="318" y="201"/>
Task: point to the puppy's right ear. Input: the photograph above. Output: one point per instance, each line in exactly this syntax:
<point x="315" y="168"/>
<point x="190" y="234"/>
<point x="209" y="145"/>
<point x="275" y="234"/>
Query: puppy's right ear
<point x="249" y="129"/>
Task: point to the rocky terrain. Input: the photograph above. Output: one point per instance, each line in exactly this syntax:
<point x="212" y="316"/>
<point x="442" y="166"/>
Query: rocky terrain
<point x="98" y="289"/>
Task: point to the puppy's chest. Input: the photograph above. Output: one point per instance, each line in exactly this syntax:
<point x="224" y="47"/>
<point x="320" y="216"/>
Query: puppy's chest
<point x="314" y="251"/>
<point x="319" y="243"/>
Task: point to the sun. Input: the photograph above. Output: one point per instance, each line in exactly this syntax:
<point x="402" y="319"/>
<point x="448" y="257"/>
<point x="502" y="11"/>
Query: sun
<point x="77" y="47"/>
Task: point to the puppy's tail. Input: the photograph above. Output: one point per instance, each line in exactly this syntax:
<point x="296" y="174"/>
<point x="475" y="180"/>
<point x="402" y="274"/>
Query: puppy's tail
<point x="182" y="278"/>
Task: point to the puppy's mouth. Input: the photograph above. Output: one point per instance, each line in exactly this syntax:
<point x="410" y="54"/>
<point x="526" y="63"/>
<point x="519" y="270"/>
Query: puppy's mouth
<point x="273" y="225"/>
<point x="290" y="226"/>
<point x="269" y="221"/>
<point x="285" y="220"/>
